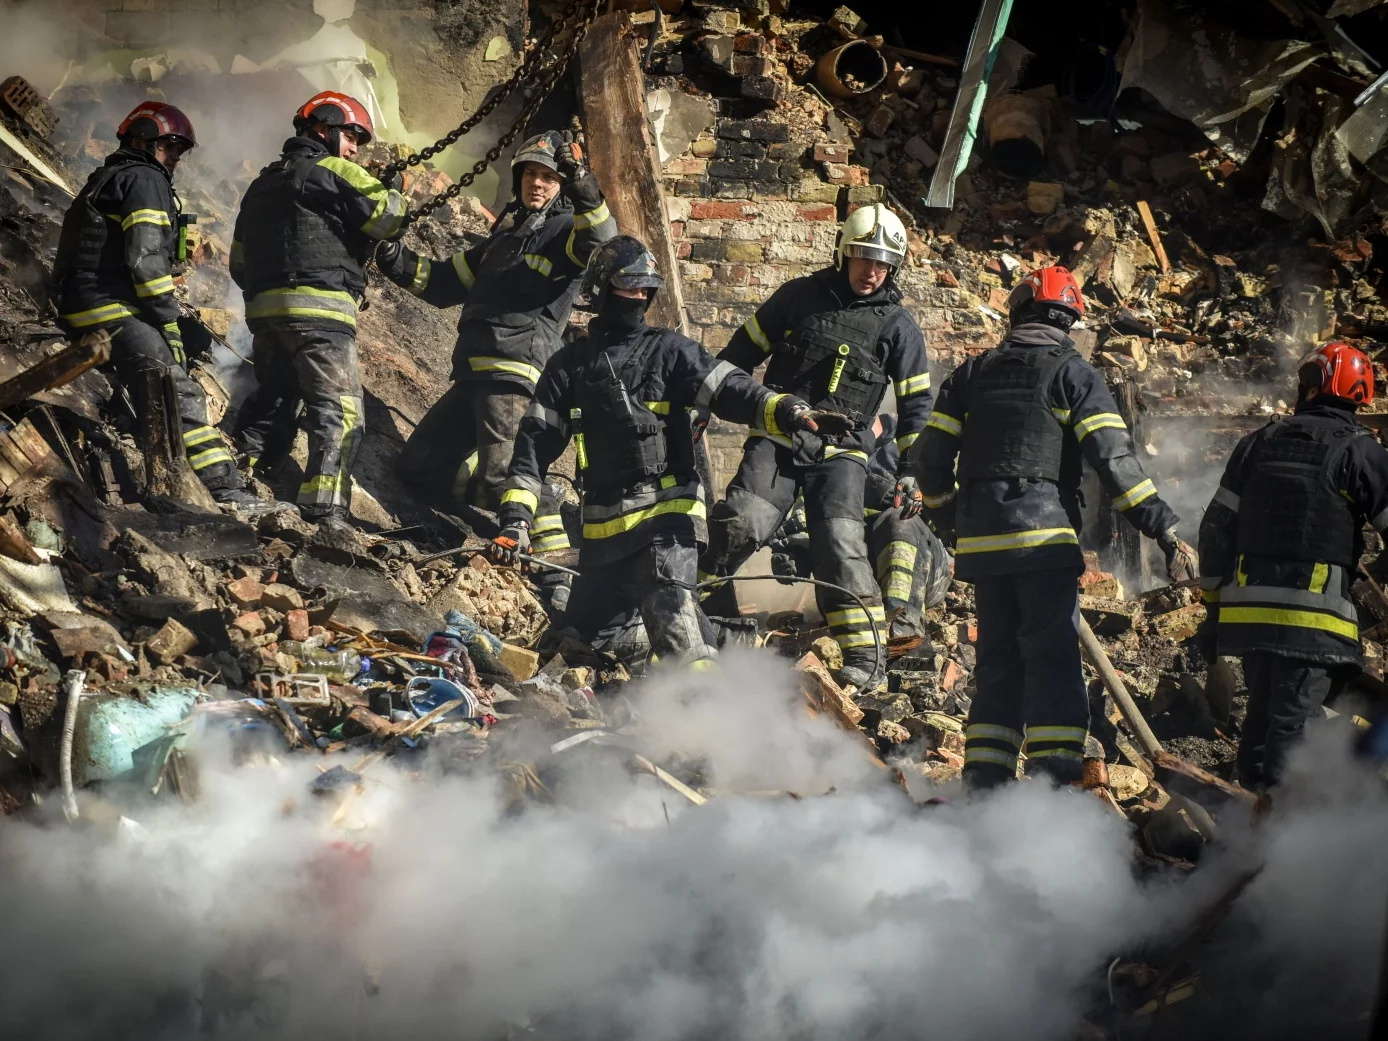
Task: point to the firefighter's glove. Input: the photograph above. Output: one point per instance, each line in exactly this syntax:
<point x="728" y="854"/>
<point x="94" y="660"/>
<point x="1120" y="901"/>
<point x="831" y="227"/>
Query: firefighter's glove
<point x="513" y="540"/>
<point x="698" y="422"/>
<point x="832" y="423"/>
<point x="792" y="414"/>
<point x="1182" y="564"/>
<point x="395" y="180"/>
<point x="908" y="497"/>
<point x="174" y="339"/>
<point x="569" y="158"/>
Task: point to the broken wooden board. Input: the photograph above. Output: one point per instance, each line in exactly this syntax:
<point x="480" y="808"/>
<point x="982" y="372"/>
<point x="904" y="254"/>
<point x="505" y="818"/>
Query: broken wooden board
<point x="824" y="694"/>
<point x="22" y="450"/>
<point x="621" y="153"/>
<point x="1149" y="225"/>
<point x="57" y="369"/>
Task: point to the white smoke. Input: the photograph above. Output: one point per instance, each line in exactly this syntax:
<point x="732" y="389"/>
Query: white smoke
<point x="619" y="910"/>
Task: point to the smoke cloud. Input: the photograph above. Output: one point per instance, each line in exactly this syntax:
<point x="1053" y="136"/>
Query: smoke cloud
<point x="618" y="910"/>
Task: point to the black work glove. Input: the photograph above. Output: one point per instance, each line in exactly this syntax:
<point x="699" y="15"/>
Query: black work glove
<point x="792" y="414"/>
<point x="395" y="180"/>
<point x="908" y="497"/>
<point x="831" y="423"/>
<point x="1182" y="564"/>
<point x="514" y="539"/>
<point x="569" y="158"/>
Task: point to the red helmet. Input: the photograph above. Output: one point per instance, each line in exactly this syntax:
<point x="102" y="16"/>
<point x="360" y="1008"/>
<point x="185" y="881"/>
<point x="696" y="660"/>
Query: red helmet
<point x="1052" y="288"/>
<point x="154" y="119"/>
<point x="1340" y="371"/>
<point x="334" y="109"/>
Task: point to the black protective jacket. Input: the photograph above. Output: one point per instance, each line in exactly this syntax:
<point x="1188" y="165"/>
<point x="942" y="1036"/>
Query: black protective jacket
<point x="817" y="305"/>
<point x="1281" y="538"/>
<point x="117" y="247"/>
<point x="307" y="226"/>
<point x="1009" y="525"/>
<point x="517" y="287"/>
<point x="665" y="375"/>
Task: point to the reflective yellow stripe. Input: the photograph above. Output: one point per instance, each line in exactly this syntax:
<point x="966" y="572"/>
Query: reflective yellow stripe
<point x="912" y="385"/>
<point x="463" y="270"/>
<point x="1055" y="753"/>
<point x="154" y="287"/>
<point x="853" y="640"/>
<point x="1210" y="596"/>
<point x="547" y="522"/>
<point x="1057" y="734"/>
<point x="1099" y="421"/>
<point x="1320" y="574"/>
<point x="200" y="435"/>
<point x="304" y="302"/>
<point x="948" y="424"/>
<point x="617" y="525"/>
<point x="993" y="732"/>
<point x="515" y="368"/>
<point x="1134" y="495"/>
<point x="389" y="214"/>
<point x="768" y="415"/>
<point x="905" y="441"/>
<point x="897" y="565"/>
<point x="1017" y="540"/>
<point x="1062" y="414"/>
<point x="422" y="269"/>
<point x="592" y="217"/>
<point x="660" y="408"/>
<point x="211" y="457"/>
<point x="520" y="495"/>
<point x="834" y="452"/>
<point x="856" y="615"/>
<point x="752" y="328"/>
<point x="1287" y="616"/>
<point x="668" y="481"/>
<point x="320" y="483"/>
<point x="538" y="263"/>
<point x="936" y="501"/>
<point x="97" y="315"/>
<point x="982" y="754"/>
<point x="549" y="543"/>
<point x="158" y="217"/>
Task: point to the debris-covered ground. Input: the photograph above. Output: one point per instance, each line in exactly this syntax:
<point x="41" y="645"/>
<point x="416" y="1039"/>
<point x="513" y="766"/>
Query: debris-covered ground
<point x="304" y="784"/>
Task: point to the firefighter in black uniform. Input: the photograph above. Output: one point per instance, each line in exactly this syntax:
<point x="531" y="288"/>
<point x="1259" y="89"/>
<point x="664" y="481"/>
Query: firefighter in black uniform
<point x="912" y="566"/>
<point x="307" y="226"/>
<point x="517" y="289"/>
<point x="836" y="338"/>
<point x="624" y="394"/>
<point x="114" y="271"/>
<point x="1279" y="545"/>
<point x="1019" y="418"/>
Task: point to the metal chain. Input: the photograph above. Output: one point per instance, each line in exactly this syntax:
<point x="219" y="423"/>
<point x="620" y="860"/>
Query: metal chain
<point x="549" y="67"/>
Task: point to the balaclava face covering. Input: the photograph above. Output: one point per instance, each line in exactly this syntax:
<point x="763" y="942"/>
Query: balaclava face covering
<point x="623" y="314"/>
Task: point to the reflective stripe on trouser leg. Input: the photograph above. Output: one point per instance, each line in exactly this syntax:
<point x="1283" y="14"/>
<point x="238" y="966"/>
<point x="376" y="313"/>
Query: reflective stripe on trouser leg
<point x="852" y="629"/>
<point x="329" y="481"/>
<point x="896" y="571"/>
<point x="839" y="554"/>
<point x="205" y="447"/>
<point x="548" y="534"/>
<point x="992" y="745"/>
<point x="1064" y="744"/>
<point x="463" y="477"/>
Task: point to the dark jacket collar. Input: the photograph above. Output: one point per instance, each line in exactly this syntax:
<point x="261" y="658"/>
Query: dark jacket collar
<point x="1038" y="334"/>
<point x="134" y="155"/>
<point x="1327" y="410"/>
<point x="301" y="147"/>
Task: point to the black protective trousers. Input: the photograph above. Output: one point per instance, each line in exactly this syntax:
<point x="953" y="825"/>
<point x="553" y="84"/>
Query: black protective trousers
<point x="758" y="500"/>
<point x="138" y="347"/>
<point x="659" y="580"/>
<point x="1030" y="687"/>
<point x="1283" y="693"/>
<point x="460" y="453"/>
<point x="319" y="368"/>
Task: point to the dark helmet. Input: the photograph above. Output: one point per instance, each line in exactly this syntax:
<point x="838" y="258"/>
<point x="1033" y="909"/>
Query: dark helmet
<point x="335" y="110"/>
<point x="151" y="120"/>
<point x="624" y="262"/>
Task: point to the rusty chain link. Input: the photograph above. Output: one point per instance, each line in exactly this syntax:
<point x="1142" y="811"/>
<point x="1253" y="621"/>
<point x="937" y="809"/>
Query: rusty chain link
<point x="540" y="64"/>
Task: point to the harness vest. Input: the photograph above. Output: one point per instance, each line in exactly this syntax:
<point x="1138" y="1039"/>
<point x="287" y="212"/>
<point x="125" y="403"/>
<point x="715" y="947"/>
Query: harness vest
<point x="1010" y="430"/>
<point x="830" y="360"/>
<point x="286" y="240"/>
<point x="86" y="243"/>
<point x="623" y="441"/>
<point x="1291" y="508"/>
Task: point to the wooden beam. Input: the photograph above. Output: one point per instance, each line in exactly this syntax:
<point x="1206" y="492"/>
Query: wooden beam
<point x="622" y="155"/>
<point x="57" y="369"/>
<point x="1153" y="236"/>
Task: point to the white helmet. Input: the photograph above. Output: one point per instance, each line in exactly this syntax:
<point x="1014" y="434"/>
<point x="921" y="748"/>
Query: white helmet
<point x="873" y="232"/>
